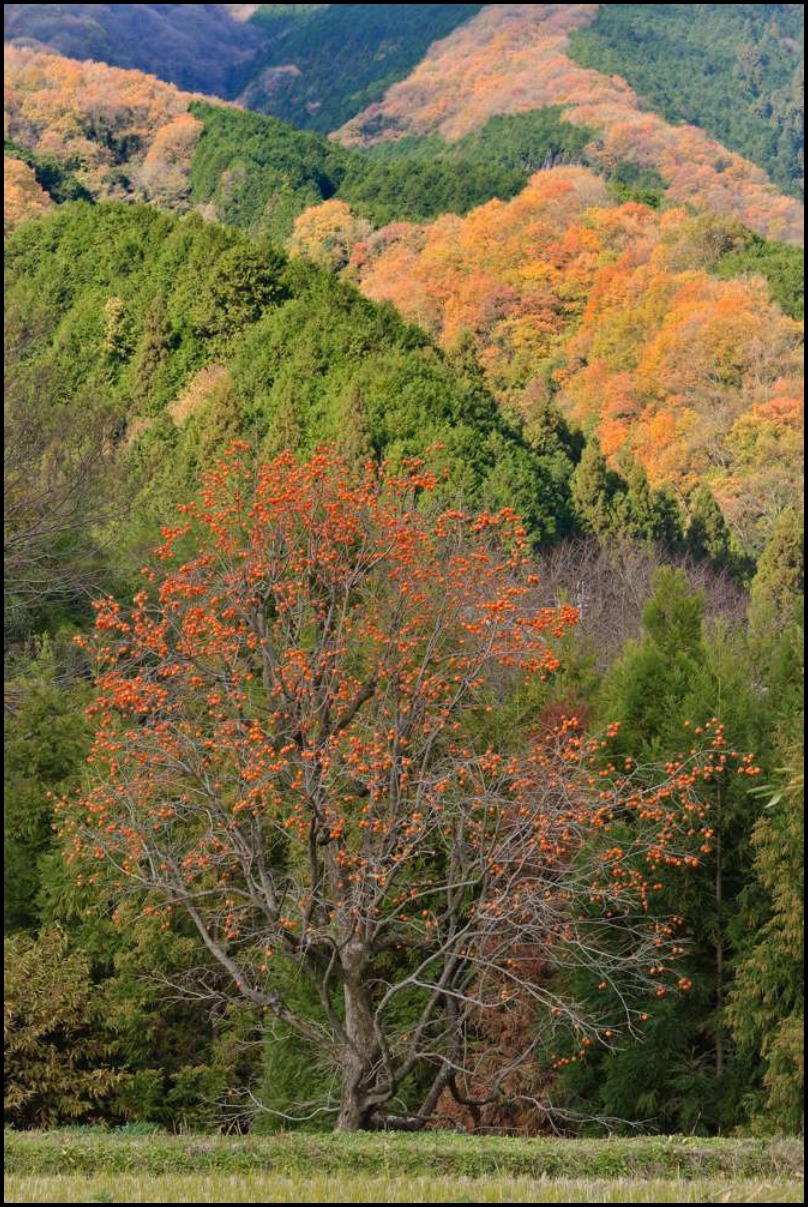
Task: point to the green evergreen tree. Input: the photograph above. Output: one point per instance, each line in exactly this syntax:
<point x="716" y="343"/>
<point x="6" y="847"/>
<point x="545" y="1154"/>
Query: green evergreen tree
<point x="152" y="350"/>
<point x="767" y="1006"/>
<point x="46" y="740"/>
<point x="685" y="1075"/>
<point x="598" y="493"/>
<point x="645" y="513"/>
<point x="708" y="534"/>
<point x="780" y="579"/>
<point x="355" y="442"/>
<point x="241" y="286"/>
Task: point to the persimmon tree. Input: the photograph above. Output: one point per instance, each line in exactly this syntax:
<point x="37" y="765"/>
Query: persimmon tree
<point x="300" y="746"/>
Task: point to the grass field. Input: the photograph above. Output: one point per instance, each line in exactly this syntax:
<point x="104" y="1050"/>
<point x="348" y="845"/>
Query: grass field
<point x="75" y="1167"/>
<point x="267" y="1188"/>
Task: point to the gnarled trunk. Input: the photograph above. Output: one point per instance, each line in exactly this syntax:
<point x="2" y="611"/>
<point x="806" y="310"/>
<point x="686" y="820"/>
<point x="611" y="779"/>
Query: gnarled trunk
<point x="360" y="1055"/>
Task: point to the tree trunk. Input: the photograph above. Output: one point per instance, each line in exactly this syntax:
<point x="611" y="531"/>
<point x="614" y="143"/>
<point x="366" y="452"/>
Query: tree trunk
<point x="353" y="1116"/>
<point x="361" y="1053"/>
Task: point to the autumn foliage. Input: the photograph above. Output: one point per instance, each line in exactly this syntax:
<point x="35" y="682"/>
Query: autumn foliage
<point x="698" y="378"/>
<point x="23" y="198"/>
<point x="124" y="132"/>
<point x="298" y="747"/>
<point x="513" y="57"/>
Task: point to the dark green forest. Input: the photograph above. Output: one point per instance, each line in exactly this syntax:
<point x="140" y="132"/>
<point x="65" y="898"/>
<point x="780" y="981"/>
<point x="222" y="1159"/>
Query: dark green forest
<point x="346" y="55"/>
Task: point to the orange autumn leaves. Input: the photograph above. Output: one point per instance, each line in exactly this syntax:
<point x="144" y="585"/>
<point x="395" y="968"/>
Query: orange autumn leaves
<point x="127" y="132"/>
<point x="23" y="198"/>
<point x="296" y="545"/>
<point x="699" y="378"/>
<point x="682" y="369"/>
<point x="515" y="274"/>
<point x="513" y="57"/>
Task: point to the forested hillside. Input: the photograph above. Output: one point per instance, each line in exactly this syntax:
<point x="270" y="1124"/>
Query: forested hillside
<point x="624" y="316"/>
<point x="315" y="65"/>
<point x="323" y="63"/>
<point x="167" y="354"/>
<point x="546" y="313"/>
<point x="89" y="127"/>
<point x="512" y="58"/>
<point x="736" y="70"/>
<point x="200" y="47"/>
<point x="89" y="130"/>
<point x="403" y="571"/>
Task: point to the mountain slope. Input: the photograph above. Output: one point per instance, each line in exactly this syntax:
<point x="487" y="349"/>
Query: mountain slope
<point x="512" y="58"/>
<point x="323" y="63"/>
<point x="514" y="276"/>
<point x="315" y="65"/>
<point x="617" y="312"/>
<point x="736" y="70"/>
<point x="122" y="134"/>
<point x="194" y="46"/>
<point x="184" y="334"/>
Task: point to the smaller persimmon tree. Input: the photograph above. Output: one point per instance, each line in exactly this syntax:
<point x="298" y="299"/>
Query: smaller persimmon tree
<point x="299" y="747"/>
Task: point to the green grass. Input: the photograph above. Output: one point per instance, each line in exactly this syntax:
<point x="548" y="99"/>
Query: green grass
<point x="100" y="1154"/>
<point x="273" y="1188"/>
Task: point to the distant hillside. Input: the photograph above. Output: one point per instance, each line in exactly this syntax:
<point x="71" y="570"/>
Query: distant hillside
<point x="654" y="329"/>
<point x="87" y="130"/>
<point x="114" y="133"/>
<point x="512" y="58"/>
<point x="200" y="47"/>
<point x="649" y="325"/>
<point x="736" y="70"/>
<point x="315" y="65"/>
<point x="324" y="63"/>
<point x="318" y="66"/>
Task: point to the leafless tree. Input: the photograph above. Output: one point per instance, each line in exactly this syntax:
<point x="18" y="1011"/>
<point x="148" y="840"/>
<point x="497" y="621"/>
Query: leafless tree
<point x="610" y="586"/>
<point x="56" y="498"/>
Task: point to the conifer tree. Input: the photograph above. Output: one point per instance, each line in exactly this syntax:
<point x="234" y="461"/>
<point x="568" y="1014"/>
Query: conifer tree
<point x="780" y="577"/>
<point x="767" y="1007"/>
<point x="153" y="348"/>
<point x="597" y="492"/>
<point x="648" y="514"/>
<point x="686" y="1075"/>
<point x="708" y="535"/>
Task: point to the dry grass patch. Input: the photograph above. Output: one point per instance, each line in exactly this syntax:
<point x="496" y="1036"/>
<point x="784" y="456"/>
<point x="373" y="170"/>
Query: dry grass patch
<point x="197" y="392"/>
